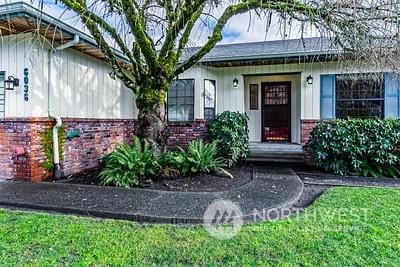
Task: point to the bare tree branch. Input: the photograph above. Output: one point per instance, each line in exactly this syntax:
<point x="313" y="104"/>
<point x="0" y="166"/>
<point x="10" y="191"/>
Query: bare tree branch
<point x="236" y="9"/>
<point x="138" y="28"/>
<point x="80" y="8"/>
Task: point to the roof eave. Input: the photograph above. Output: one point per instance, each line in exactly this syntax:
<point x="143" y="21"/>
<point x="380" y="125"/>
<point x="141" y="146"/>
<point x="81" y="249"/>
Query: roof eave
<point x="21" y="9"/>
<point x="272" y="56"/>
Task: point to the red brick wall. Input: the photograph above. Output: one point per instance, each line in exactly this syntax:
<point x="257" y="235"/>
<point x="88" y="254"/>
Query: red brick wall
<point x="97" y="138"/>
<point x="22" y="134"/>
<point x="182" y="133"/>
<point x="306" y="127"/>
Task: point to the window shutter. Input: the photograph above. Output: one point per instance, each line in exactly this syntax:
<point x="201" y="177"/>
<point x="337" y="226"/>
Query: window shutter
<point x="328" y="90"/>
<point x="392" y="96"/>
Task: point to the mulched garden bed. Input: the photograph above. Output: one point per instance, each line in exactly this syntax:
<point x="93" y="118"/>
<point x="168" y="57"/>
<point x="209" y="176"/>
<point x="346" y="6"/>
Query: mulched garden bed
<point x="305" y="172"/>
<point x="317" y="176"/>
<point x="199" y="183"/>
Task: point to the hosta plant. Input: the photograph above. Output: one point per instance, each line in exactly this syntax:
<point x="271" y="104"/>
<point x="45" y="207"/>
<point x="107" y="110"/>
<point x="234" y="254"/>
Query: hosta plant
<point x="129" y="164"/>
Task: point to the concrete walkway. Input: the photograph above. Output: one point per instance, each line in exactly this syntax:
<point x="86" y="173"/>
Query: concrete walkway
<point x="268" y="189"/>
<point x="351" y="181"/>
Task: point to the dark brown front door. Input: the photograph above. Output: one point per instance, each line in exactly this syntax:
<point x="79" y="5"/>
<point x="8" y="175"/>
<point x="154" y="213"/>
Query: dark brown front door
<point x="276" y="112"/>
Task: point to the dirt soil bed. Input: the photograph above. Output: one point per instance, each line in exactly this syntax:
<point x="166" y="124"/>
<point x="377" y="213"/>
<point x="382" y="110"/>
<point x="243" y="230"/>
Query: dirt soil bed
<point x="199" y="183"/>
<point x="317" y="173"/>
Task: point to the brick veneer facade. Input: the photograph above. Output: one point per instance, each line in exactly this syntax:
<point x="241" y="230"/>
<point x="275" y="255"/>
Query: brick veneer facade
<point x="20" y="152"/>
<point x="182" y="133"/>
<point x="306" y="127"/>
<point x="97" y="138"/>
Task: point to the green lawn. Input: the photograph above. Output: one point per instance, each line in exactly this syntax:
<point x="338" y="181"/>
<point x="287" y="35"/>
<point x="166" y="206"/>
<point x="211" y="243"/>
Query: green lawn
<point x="319" y="237"/>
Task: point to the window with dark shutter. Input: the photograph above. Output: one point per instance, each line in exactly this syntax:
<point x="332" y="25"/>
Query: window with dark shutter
<point x="359" y="96"/>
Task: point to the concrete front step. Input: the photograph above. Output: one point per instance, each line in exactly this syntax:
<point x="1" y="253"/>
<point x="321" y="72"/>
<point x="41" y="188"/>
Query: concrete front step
<point x="274" y="159"/>
<point x="276" y="155"/>
<point x="276" y="152"/>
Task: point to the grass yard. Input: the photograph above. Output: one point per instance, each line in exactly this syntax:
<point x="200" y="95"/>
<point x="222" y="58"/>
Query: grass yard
<point x="346" y="226"/>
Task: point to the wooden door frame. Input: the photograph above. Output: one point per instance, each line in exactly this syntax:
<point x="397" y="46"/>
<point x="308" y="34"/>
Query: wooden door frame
<point x="263" y="85"/>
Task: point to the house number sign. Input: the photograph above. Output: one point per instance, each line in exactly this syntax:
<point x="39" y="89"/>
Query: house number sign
<point x="26" y="84"/>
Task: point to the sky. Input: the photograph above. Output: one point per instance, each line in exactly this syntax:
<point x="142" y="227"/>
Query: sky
<point x="240" y="29"/>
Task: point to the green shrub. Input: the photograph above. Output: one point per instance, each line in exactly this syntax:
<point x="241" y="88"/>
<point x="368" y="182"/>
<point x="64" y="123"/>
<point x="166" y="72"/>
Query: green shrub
<point x="47" y="146"/>
<point x="231" y="132"/>
<point x="198" y="158"/>
<point x="170" y="163"/>
<point x="129" y="164"/>
<point x="367" y="147"/>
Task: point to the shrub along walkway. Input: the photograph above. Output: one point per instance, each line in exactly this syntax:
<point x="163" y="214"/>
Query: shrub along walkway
<point x="267" y="189"/>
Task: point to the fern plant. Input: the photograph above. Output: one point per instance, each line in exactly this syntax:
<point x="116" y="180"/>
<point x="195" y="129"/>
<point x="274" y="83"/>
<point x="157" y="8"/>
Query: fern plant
<point x="199" y="158"/>
<point x="129" y="164"/>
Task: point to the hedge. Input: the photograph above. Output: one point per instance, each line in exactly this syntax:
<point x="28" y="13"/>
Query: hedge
<point x="361" y="147"/>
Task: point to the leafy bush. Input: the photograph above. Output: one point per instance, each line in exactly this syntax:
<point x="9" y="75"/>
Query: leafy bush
<point x="357" y="147"/>
<point x="129" y="164"/>
<point x="170" y="162"/>
<point x="47" y="146"/>
<point x="198" y="158"/>
<point x="230" y="130"/>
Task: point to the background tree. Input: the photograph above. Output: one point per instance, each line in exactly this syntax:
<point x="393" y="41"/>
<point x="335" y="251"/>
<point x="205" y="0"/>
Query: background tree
<point x="153" y="35"/>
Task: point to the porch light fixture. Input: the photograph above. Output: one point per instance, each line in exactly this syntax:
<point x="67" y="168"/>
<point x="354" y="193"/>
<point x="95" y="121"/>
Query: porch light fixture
<point x="10" y="83"/>
<point x="112" y="75"/>
<point x="235" y="83"/>
<point x="310" y="80"/>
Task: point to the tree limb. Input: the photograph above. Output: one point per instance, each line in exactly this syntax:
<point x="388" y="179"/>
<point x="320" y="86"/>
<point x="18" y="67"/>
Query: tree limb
<point x="185" y="12"/>
<point x="240" y="8"/>
<point x="81" y="10"/>
<point x="138" y="27"/>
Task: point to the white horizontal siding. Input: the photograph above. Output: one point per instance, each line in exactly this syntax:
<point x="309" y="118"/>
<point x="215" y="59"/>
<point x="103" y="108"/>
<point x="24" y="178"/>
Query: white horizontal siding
<point x="14" y="57"/>
<point x="82" y="88"/>
<point x="233" y="98"/>
<point x="305" y="98"/>
<point x="80" y="85"/>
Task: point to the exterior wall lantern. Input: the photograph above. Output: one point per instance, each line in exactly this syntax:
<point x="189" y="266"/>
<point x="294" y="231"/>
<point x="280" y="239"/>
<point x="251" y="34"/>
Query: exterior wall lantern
<point x="112" y="75"/>
<point x="10" y="83"/>
<point x="310" y="80"/>
<point x="235" y="83"/>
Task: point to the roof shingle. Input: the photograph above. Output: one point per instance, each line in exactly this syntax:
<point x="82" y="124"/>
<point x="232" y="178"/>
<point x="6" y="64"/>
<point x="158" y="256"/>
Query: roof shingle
<point x="267" y="49"/>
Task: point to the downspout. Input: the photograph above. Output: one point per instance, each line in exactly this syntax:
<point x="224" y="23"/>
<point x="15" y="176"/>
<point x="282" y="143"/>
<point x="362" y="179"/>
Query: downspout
<point x="56" y="153"/>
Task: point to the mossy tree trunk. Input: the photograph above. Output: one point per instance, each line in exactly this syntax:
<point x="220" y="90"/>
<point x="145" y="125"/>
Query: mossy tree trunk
<point x="151" y="104"/>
